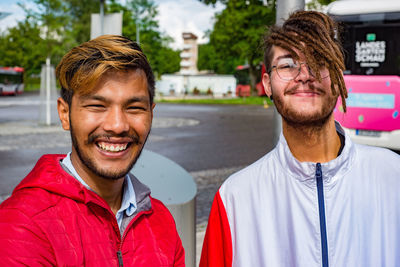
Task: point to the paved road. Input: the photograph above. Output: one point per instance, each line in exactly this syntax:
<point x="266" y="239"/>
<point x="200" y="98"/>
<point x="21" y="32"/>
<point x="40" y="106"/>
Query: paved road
<point x="211" y="142"/>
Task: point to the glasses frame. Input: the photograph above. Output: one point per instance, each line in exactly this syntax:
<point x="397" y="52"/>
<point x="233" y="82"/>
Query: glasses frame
<point x="299" y="70"/>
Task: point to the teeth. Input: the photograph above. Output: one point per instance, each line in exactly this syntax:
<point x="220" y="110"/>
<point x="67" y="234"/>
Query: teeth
<point x="112" y="148"/>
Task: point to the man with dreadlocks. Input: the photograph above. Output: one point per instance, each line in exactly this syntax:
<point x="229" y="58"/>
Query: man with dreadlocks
<point x="317" y="199"/>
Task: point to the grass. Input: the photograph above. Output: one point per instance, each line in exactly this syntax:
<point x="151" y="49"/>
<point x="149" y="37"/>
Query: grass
<point x="32" y="84"/>
<point x="31" y="87"/>
<point x="251" y="100"/>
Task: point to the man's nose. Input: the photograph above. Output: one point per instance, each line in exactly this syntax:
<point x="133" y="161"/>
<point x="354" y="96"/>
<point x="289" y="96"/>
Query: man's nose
<point x="305" y="73"/>
<point x="116" y="121"/>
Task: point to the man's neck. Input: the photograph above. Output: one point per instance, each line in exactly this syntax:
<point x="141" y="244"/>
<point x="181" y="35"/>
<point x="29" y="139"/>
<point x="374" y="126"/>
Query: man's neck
<point x="312" y="144"/>
<point x="109" y="189"/>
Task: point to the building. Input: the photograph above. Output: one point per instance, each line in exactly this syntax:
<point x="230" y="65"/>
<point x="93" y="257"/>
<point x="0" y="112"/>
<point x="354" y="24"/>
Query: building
<point x="189" y="54"/>
<point x="189" y="80"/>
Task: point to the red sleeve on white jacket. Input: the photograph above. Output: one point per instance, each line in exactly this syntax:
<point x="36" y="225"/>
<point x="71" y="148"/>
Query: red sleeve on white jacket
<point x="217" y="246"/>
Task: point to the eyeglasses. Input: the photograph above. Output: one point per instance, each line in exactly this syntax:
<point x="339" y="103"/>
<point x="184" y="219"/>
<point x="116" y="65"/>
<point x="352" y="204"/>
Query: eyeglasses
<point x="288" y="69"/>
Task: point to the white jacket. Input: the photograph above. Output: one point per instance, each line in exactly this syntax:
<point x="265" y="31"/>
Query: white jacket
<point x="272" y="213"/>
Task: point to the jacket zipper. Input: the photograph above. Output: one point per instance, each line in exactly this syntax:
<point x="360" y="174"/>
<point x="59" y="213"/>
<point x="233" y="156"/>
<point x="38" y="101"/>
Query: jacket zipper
<point x="119" y="251"/>
<point x="119" y="255"/>
<point x="321" y="208"/>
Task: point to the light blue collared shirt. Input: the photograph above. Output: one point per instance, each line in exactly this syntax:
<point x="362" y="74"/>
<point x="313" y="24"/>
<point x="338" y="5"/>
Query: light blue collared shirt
<point x="128" y="204"/>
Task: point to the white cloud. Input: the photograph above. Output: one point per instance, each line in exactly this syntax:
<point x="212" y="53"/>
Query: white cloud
<point x="17" y="14"/>
<point x="174" y="16"/>
<point x="178" y="16"/>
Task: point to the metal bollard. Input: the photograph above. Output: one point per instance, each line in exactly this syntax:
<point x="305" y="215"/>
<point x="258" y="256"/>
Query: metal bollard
<point x="176" y="188"/>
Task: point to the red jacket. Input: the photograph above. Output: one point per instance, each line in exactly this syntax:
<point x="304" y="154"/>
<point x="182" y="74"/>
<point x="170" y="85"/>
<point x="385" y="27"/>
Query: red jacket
<point x="51" y="219"/>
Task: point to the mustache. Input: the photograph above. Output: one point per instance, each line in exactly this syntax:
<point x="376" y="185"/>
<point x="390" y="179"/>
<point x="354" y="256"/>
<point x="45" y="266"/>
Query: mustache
<point x="134" y="138"/>
<point x="294" y="89"/>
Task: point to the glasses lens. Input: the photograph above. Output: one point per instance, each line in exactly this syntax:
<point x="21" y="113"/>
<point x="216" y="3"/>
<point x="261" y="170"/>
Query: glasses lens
<point x="323" y="71"/>
<point x="287" y="69"/>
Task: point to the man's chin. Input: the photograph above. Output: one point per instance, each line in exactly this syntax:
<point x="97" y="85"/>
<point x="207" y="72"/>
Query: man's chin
<point x="113" y="172"/>
<point x="304" y="120"/>
<point x="112" y="175"/>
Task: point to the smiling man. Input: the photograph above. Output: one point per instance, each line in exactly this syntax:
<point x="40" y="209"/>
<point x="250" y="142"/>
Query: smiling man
<point x="85" y="208"/>
<point x="317" y="199"/>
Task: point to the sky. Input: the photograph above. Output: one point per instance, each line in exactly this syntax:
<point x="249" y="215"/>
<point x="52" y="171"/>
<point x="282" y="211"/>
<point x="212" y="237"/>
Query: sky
<point x="174" y="16"/>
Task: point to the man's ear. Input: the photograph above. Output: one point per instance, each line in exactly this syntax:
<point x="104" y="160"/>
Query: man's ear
<point x="63" y="113"/>
<point x="267" y="84"/>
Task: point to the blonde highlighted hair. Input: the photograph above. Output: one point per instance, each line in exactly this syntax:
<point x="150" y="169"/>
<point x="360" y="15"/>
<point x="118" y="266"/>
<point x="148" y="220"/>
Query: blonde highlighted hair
<point x="82" y="67"/>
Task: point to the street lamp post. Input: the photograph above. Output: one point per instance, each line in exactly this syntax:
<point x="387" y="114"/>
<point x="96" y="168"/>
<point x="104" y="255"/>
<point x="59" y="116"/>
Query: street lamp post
<point x="283" y="9"/>
<point x="137" y="30"/>
<point x="101" y="17"/>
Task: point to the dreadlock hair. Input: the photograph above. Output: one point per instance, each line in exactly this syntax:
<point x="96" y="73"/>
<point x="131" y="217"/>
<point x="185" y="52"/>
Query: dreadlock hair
<point x="82" y="67"/>
<point x="315" y="35"/>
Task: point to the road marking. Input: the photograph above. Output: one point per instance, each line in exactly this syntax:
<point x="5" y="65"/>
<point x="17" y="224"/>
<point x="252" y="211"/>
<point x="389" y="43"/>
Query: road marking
<point x="9" y="103"/>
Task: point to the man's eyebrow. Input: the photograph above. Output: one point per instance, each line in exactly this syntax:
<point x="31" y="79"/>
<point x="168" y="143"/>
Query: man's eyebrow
<point x="284" y="56"/>
<point x="134" y="99"/>
<point x="131" y="100"/>
<point x="92" y="97"/>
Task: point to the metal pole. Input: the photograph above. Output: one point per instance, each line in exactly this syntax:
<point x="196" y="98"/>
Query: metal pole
<point x="101" y="17"/>
<point x="283" y="10"/>
<point x="47" y="75"/>
<point x="137" y="30"/>
<point x="285" y="7"/>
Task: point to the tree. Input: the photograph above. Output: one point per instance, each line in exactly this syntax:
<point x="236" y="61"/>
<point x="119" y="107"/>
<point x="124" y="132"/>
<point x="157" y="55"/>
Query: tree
<point x="213" y="2"/>
<point x="238" y="31"/>
<point x="55" y="26"/>
<point x="22" y="46"/>
<point x="50" y="16"/>
<point x="162" y="58"/>
<point x="209" y="59"/>
<point x="317" y="4"/>
<point x="79" y="13"/>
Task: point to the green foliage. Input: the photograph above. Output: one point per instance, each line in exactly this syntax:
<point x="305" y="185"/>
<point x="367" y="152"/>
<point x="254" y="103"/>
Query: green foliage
<point x="50" y="16"/>
<point x="79" y="14"/>
<point x="209" y="59"/>
<point x="325" y="2"/>
<point x="162" y="58"/>
<point x="317" y="4"/>
<point x="23" y="47"/>
<point x="213" y="2"/>
<point x="237" y="36"/>
<point x="55" y="26"/>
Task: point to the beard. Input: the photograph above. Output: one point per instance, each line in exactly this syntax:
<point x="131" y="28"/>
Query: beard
<point x="295" y="118"/>
<point x="97" y="170"/>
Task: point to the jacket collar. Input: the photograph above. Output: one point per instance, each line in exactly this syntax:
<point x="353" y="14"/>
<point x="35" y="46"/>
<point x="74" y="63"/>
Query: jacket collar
<point x="142" y="194"/>
<point x="49" y="175"/>
<point x="305" y="171"/>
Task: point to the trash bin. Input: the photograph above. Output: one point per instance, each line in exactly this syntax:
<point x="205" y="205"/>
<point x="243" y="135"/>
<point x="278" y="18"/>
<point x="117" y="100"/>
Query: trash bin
<point x="176" y="188"/>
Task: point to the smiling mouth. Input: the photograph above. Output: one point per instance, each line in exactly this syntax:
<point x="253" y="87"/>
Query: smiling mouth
<point x="113" y="147"/>
<point x="311" y="90"/>
<point x="305" y="93"/>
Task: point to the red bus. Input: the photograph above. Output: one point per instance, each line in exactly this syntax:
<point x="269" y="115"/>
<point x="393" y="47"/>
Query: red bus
<point x="11" y="80"/>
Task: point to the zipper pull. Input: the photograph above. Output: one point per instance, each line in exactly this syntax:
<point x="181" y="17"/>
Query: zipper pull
<point x="119" y="255"/>
<point x="318" y="171"/>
